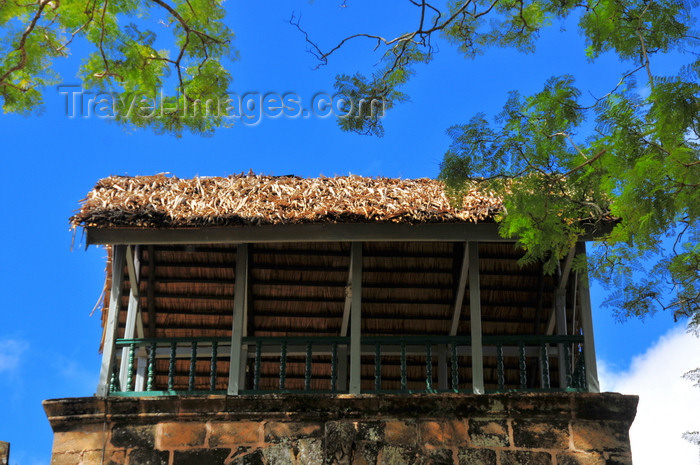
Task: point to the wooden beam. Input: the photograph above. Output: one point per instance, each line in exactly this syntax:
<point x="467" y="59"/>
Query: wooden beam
<point x="461" y="287"/>
<point x="239" y="304"/>
<point x="453" y="232"/>
<point x="108" y="350"/>
<point x="475" y="319"/>
<point x="587" y="326"/>
<point x="356" y="319"/>
<point x="330" y="232"/>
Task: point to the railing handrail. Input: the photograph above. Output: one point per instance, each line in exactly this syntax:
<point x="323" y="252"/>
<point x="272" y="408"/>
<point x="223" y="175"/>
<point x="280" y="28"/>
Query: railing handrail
<point x="490" y="339"/>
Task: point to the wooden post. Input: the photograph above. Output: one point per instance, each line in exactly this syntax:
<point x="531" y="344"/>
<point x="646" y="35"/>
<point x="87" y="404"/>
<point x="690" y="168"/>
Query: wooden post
<point x="132" y="312"/>
<point x="356" y="318"/>
<point x="342" y="381"/>
<point x="240" y="299"/>
<point x="475" y="318"/>
<point x="587" y="326"/>
<point x="108" y="349"/>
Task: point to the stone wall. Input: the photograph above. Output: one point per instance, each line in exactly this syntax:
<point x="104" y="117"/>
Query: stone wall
<point x="444" y="429"/>
<point x="4" y="453"/>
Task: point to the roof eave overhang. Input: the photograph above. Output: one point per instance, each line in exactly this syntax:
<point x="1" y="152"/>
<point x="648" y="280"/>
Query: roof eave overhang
<point x="326" y="232"/>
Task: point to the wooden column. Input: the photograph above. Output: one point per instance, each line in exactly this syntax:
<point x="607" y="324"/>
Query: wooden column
<point x="240" y="300"/>
<point x="132" y="312"/>
<point x="475" y="318"/>
<point x="356" y="318"/>
<point x="108" y="348"/>
<point x="587" y="326"/>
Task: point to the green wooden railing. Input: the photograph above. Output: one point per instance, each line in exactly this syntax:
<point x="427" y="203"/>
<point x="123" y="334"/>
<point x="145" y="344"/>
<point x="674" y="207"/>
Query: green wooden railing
<point x="321" y="364"/>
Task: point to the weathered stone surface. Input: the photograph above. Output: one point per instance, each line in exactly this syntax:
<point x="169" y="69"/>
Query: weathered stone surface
<point x="605" y="406"/>
<point x="253" y="458"/>
<point x="343" y="430"/>
<point x="489" y="433"/>
<point x="400" y="432"/>
<point x="276" y="431"/>
<point x="604" y="437"/>
<point x="148" y="457"/>
<point x="541" y="434"/>
<point x="200" y="457"/>
<point x="440" y="457"/>
<point x="279" y="454"/>
<point x="580" y="458"/>
<point x="477" y="457"/>
<point x="4" y="453"/>
<point x="87" y="437"/>
<point x="180" y="435"/>
<point x="234" y="433"/>
<point x="525" y="457"/>
<point x="619" y="460"/>
<point x="396" y="455"/>
<point x="117" y="457"/>
<point x="131" y="436"/>
<point x="446" y="433"/>
<point x="68" y="458"/>
<point x="309" y="451"/>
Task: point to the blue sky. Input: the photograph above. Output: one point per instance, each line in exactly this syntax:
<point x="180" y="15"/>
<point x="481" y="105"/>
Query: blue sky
<point x="48" y="340"/>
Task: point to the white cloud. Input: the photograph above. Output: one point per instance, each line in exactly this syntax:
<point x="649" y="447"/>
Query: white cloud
<point x="11" y="354"/>
<point x="668" y="404"/>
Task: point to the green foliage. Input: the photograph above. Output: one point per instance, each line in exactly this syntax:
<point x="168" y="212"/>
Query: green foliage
<point x="125" y="61"/>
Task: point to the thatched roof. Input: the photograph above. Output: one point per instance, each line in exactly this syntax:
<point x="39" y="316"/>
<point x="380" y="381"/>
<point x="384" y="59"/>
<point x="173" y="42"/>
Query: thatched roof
<point x="167" y="201"/>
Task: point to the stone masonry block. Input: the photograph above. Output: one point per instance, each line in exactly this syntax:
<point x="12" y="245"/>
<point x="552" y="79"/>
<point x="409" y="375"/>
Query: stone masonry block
<point x="253" y="458"/>
<point x="234" y="433"/>
<point x="439" y="457"/>
<point x="601" y="437"/>
<point x="310" y="451"/>
<point x="525" y="457"/>
<point x="278" y="431"/>
<point x="200" y="457"/>
<point x="148" y="457"/>
<point x="132" y="436"/>
<point x="541" y="434"/>
<point x="476" y="457"/>
<point x="180" y="435"/>
<point x="89" y="437"/>
<point x="447" y="433"/>
<point x="68" y="458"/>
<point x="117" y="457"/>
<point x="580" y="458"/>
<point x="400" y="432"/>
<point x="489" y="433"/>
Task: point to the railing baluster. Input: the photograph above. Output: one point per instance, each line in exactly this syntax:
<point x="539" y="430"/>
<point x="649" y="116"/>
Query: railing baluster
<point x="403" y="366"/>
<point x="455" y="367"/>
<point x="256" y="374"/>
<point x="567" y="365"/>
<point x="283" y="365"/>
<point x="130" y="368"/>
<point x="500" y="368"/>
<point x="545" y="366"/>
<point x="428" y="366"/>
<point x="193" y="366"/>
<point x="522" y="366"/>
<point x="334" y="366"/>
<point x="151" y="367"/>
<point x="307" y="368"/>
<point x="377" y="366"/>
<point x="213" y="367"/>
<point x="171" y="366"/>
<point x="114" y="382"/>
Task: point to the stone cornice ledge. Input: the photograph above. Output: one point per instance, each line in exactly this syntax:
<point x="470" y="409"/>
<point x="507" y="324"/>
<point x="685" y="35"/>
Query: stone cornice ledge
<point x="66" y="413"/>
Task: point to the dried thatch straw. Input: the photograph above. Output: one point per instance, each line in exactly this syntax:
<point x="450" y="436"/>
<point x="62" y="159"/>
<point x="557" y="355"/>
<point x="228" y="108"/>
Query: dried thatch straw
<point x="167" y="201"/>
